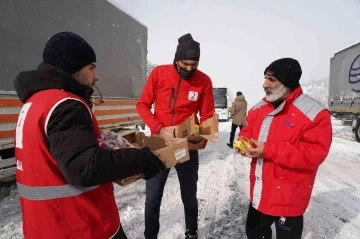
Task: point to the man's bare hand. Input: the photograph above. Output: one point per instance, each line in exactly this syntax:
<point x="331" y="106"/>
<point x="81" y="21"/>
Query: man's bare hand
<point x="255" y="152"/>
<point x="167" y="133"/>
<point x="196" y="146"/>
<point x="240" y="151"/>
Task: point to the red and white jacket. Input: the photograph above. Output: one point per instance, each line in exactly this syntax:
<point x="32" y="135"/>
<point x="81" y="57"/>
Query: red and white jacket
<point x="51" y="207"/>
<point x="175" y="99"/>
<point x="297" y="136"/>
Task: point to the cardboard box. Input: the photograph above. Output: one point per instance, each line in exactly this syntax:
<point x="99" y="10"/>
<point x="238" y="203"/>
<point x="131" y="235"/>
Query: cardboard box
<point x="186" y="128"/>
<point x="171" y="152"/>
<point x="207" y="129"/>
<point x="129" y="180"/>
<point x="136" y="138"/>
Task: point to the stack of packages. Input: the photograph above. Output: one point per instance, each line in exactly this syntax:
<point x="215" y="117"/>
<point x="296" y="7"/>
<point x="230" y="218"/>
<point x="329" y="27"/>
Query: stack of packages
<point x="195" y="133"/>
<point x="171" y="152"/>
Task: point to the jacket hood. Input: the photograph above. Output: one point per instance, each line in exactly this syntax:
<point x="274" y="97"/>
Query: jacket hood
<point x="240" y="98"/>
<point x="46" y="77"/>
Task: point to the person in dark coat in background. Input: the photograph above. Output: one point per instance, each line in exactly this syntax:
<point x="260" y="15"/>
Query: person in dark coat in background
<point x="238" y="114"/>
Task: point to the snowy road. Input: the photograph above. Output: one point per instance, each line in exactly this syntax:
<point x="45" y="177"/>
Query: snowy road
<point x="334" y="211"/>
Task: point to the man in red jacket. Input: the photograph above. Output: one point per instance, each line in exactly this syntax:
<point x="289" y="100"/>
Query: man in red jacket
<point x="293" y="134"/>
<point x="64" y="176"/>
<point x="178" y="91"/>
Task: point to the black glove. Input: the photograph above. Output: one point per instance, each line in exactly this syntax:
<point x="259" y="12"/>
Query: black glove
<point x="153" y="164"/>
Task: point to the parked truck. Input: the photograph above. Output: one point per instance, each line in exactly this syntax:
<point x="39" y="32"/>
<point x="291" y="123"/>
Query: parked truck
<point x="120" y="43"/>
<point x="344" y="87"/>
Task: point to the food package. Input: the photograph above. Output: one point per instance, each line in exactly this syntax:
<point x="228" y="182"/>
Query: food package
<point x="244" y="143"/>
<point x="196" y="131"/>
<point x="112" y="140"/>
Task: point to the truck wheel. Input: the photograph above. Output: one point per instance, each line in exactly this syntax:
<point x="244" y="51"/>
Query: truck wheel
<point x="357" y="131"/>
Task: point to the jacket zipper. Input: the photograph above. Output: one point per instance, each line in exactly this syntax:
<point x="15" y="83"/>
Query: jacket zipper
<point x="171" y="96"/>
<point x="177" y="93"/>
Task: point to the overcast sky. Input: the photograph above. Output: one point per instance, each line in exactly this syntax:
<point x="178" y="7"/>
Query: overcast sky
<point x="239" y="38"/>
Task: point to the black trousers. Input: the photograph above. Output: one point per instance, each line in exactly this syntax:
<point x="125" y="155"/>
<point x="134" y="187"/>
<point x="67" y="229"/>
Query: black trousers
<point x="120" y="234"/>
<point x="258" y="225"/>
<point x="232" y="133"/>
<point x="188" y="176"/>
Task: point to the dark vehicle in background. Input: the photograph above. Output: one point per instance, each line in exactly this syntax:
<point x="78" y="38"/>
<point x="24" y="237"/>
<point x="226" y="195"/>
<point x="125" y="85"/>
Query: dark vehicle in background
<point x="120" y="43"/>
<point x="344" y="87"/>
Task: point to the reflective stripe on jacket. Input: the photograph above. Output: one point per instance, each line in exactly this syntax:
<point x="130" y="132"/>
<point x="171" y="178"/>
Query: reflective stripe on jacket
<point x="297" y="136"/>
<point x="52" y="208"/>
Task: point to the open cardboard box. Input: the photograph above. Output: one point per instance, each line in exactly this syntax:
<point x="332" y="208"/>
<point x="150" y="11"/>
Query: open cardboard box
<point x="171" y="152"/>
<point x="207" y="129"/>
<point x="136" y="138"/>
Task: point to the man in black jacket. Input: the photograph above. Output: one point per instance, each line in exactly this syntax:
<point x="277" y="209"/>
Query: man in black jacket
<point x="69" y="65"/>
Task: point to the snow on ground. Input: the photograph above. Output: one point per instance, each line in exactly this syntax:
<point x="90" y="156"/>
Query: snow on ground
<point x="334" y="211"/>
<point x="222" y="198"/>
<point x="223" y="189"/>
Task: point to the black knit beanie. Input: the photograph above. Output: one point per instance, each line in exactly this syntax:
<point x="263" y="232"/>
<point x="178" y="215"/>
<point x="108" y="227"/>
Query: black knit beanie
<point x="187" y="49"/>
<point x="68" y="52"/>
<point x="286" y="70"/>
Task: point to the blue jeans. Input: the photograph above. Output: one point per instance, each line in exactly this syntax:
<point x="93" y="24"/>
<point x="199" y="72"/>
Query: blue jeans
<point x="188" y="176"/>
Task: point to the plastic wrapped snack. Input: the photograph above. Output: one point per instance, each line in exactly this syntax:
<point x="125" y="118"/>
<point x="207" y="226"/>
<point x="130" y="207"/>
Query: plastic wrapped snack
<point x="112" y="140"/>
<point x="244" y="143"/>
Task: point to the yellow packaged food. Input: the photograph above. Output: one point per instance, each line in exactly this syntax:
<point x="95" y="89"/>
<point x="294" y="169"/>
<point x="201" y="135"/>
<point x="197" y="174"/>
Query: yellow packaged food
<point x="243" y="143"/>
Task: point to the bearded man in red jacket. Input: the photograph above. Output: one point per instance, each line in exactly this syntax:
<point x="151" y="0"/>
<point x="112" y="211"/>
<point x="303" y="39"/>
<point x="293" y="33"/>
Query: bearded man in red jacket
<point x="178" y="90"/>
<point x="293" y="134"/>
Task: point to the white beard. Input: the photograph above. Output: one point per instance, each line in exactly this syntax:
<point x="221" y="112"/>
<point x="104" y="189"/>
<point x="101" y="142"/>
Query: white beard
<point x="275" y="94"/>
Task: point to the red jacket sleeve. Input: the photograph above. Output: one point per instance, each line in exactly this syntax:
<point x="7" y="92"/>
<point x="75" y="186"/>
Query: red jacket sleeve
<point x="310" y="152"/>
<point x="145" y="102"/>
<point x="207" y="104"/>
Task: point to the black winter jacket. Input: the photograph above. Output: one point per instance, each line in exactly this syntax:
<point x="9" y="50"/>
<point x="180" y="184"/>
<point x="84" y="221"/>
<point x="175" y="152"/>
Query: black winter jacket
<point x="71" y="138"/>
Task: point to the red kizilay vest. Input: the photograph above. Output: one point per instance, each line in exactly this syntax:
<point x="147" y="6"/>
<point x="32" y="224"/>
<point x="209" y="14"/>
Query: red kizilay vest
<point x="52" y="208"/>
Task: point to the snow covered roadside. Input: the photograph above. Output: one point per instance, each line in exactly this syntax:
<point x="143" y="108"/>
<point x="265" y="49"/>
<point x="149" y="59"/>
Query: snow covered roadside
<point x="334" y="210"/>
<point x="223" y="199"/>
<point x="222" y="194"/>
